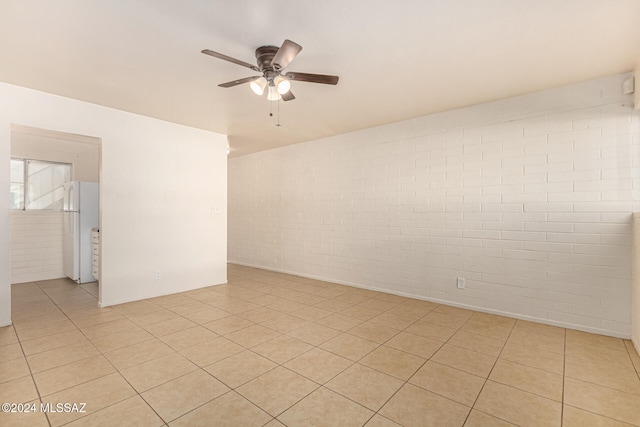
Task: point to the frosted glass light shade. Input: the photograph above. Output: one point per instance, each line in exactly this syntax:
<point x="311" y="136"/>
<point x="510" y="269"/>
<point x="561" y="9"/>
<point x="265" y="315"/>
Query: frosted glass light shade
<point x="258" y="85"/>
<point x="282" y="84"/>
<point x="273" y="94"/>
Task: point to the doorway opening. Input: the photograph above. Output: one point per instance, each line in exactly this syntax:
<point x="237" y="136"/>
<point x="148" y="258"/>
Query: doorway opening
<point x="42" y="161"/>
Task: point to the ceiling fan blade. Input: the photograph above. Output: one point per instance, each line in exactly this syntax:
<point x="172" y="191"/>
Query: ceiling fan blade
<point x="288" y="96"/>
<point x="313" y="78"/>
<point x="238" y="82"/>
<point x="285" y="55"/>
<point x="230" y="59"/>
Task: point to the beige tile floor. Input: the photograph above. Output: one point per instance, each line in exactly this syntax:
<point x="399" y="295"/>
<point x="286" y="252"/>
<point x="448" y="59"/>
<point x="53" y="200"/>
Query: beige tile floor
<point x="271" y="349"/>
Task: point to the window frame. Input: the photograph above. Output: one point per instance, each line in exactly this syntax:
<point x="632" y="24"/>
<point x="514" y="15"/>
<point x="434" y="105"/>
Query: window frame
<point x="25" y="183"/>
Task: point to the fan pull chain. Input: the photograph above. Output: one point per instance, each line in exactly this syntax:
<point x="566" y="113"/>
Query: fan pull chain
<point x="278" y="113"/>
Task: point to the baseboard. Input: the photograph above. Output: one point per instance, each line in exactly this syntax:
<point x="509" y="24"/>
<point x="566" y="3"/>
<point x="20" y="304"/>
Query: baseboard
<point x="567" y="325"/>
<point x="4" y="323"/>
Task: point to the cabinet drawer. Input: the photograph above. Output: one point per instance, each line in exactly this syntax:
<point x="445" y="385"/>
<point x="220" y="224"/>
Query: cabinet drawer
<point x="94" y="272"/>
<point x="95" y="249"/>
<point x="95" y="236"/>
<point x="94" y="260"/>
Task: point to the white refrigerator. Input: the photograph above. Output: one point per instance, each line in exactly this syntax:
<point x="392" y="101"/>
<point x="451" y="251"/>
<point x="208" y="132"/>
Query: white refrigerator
<point x="80" y="208"/>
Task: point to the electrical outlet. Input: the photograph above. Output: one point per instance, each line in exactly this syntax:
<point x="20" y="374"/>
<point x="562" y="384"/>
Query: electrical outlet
<point x="158" y="275"/>
<point x="460" y="282"/>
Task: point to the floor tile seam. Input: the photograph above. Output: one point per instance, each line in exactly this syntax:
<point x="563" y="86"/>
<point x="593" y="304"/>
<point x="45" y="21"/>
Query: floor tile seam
<point x="198" y="368"/>
<point x="156" y="412"/>
<point x="30" y="374"/>
<point x="177" y="294"/>
<point x="90" y="336"/>
<point x="196" y="311"/>
<point x="482" y="335"/>
<point x="69" y="362"/>
<point x="172" y="353"/>
<point x="525" y="391"/>
<point x="381" y="343"/>
<point x="24" y="355"/>
<point x="408" y="381"/>
<point x="320" y="386"/>
<point x="599" y="348"/>
<point x="229" y="332"/>
<point x="401" y="330"/>
<point x="636" y="395"/>
<point x="82" y="325"/>
<point x="316" y="387"/>
<point x="251" y="346"/>
<point x="87" y="414"/>
<point x="120" y="348"/>
<point x="595" y="413"/>
<point x="490" y="415"/>
<point x="194" y="345"/>
<point x="486" y="380"/>
<point x="374" y="411"/>
<point x="86" y="382"/>
<point x="143" y="325"/>
<point x="493" y="322"/>
<point x="351" y="360"/>
<point x="20" y="328"/>
<point x="208" y="402"/>
<point x="185" y="318"/>
<point x="608" y="364"/>
<point x="275" y="361"/>
<point x="248" y="381"/>
<point x="446" y="366"/>
<point x="442" y="395"/>
<point x="311" y="321"/>
<point x="104" y="355"/>
<point x="519" y="342"/>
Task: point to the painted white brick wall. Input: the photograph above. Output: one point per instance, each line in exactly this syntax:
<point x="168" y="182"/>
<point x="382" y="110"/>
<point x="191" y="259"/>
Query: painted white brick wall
<point x="36" y="246"/>
<point x="529" y="198"/>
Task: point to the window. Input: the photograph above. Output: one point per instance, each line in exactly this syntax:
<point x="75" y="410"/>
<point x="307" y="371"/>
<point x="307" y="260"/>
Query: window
<point x="38" y="185"/>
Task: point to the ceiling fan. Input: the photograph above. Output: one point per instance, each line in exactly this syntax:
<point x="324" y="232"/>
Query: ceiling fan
<point x="271" y="62"/>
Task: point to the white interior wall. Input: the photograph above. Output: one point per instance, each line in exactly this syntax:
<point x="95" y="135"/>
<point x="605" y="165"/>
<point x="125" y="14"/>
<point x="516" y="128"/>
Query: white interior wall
<point x="529" y="199"/>
<point x="159" y="183"/>
<point x="36" y="236"/>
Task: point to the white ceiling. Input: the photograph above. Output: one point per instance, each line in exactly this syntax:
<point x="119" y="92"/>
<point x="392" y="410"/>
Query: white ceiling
<point x="396" y="59"/>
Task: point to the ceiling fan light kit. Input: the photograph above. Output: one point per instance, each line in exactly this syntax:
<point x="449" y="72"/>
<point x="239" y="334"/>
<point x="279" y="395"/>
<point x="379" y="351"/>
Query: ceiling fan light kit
<point x="273" y="94"/>
<point x="282" y="84"/>
<point x="271" y="62"/>
<point x="258" y="85"/>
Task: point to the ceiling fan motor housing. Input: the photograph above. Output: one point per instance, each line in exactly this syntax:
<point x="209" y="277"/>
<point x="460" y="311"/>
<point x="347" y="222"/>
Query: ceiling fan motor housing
<point x="265" y="55"/>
